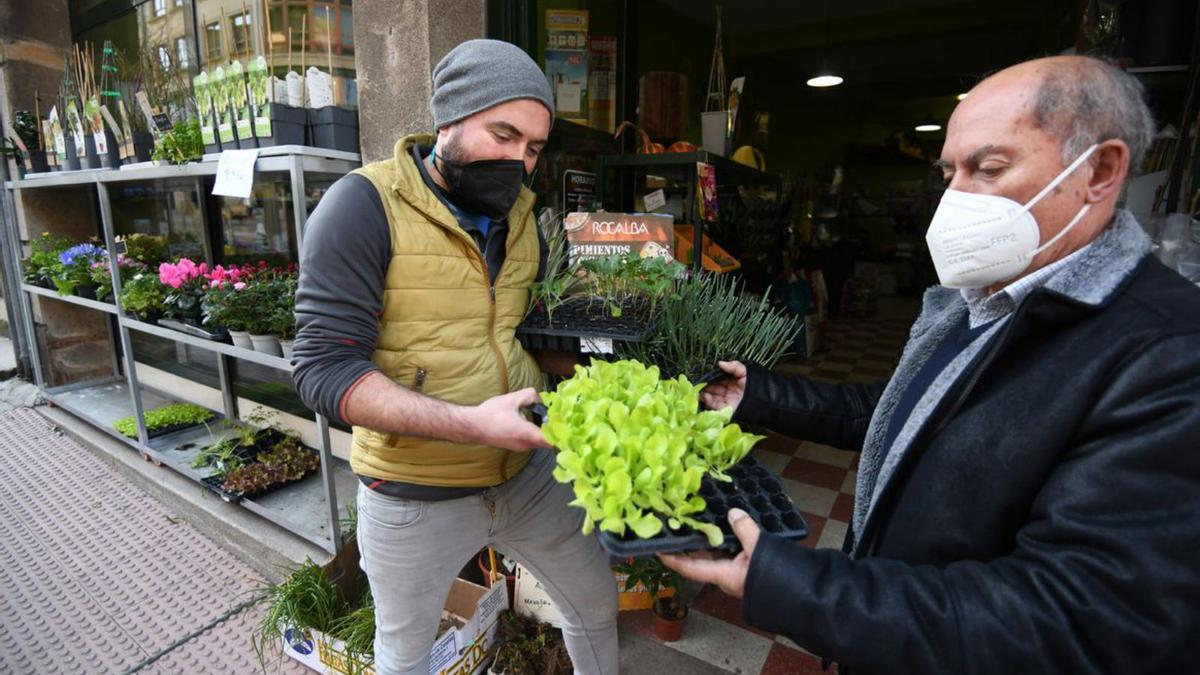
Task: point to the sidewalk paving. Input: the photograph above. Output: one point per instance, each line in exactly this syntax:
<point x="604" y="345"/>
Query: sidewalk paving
<point x="100" y="577"/>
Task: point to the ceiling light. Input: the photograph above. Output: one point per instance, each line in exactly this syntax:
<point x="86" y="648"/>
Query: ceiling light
<point x="963" y="95"/>
<point x="825" y="76"/>
<point x="825" y="80"/>
<point x="928" y="124"/>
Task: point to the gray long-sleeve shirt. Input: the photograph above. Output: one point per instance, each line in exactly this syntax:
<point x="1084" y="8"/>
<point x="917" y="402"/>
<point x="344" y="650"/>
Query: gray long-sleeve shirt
<point x="346" y="253"/>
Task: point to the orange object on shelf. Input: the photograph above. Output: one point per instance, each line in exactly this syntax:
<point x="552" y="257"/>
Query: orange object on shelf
<point x="715" y="258"/>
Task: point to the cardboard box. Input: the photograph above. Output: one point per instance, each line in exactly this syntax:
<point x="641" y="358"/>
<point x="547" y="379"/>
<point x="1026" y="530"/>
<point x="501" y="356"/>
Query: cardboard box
<point x="463" y="648"/>
<point x="530" y="597"/>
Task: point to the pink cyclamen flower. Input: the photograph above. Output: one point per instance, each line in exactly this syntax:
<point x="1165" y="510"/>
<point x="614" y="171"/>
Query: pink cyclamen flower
<point x="239" y="286"/>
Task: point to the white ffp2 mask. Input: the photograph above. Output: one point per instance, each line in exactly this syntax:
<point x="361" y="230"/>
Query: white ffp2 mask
<point x="977" y="240"/>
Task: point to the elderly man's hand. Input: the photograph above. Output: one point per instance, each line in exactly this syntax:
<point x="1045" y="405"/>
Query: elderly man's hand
<point x="729" y="574"/>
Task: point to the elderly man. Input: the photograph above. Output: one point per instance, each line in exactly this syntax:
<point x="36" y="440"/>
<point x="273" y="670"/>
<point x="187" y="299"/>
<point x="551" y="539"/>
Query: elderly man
<point x="1029" y="488"/>
<point x="414" y="274"/>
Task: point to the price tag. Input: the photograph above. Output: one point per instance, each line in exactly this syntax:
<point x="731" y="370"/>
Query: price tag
<point x="235" y="173"/>
<point x="596" y="345"/>
<point x="656" y="200"/>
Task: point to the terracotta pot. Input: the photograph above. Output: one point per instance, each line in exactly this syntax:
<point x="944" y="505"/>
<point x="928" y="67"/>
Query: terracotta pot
<point x="667" y="630"/>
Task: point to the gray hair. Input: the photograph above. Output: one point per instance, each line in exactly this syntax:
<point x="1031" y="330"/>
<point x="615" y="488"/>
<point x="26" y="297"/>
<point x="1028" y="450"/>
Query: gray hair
<point x="1091" y="101"/>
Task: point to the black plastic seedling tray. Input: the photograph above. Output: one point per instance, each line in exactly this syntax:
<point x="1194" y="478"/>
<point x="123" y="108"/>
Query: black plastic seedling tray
<point x="754" y="489"/>
<point x="583" y="320"/>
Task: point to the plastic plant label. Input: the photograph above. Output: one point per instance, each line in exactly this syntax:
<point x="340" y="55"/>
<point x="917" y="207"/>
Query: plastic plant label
<point x="259" y="84"/>
<point x="235" y="79"/>
<point x="204" y="103"/>
<point x="279" y="91"/>
<point x="320" y="88"/>
<point x="60" y="142"/>
<point x="101" y="144"/>
<point x="596" y="345"/>
<point x="295" y="89"/>
<point x="118" y="133"/>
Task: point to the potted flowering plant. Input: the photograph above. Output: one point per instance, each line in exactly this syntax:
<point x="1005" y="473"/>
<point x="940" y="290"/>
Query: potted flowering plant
<point x="143" y="296"/>
<point x="73" y="274"/>
<point x="186" y="282"/>
<point x="43" y="259"/>
<point x="226" y="303"/>
<point x="102" y="277"/>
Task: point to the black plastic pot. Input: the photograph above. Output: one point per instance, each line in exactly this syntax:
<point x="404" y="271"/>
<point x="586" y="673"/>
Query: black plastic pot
<point x="334" y="128"/>
<point x="72" y="162"/>
<point x="38" y="163"/>
<point x="288" y="125"/>
<point x="112" y="158"/>
<point x="90" y="155"/>
<point x="86" y="291"/>
<point x="143" y="145"/>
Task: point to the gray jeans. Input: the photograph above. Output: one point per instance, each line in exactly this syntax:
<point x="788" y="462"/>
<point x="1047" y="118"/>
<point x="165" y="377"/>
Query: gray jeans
<point x="412" y="550"/>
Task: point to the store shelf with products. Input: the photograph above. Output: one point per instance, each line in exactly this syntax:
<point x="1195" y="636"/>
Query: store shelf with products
<point x="150" y="195"/>
<point x="624" y="177"/>
<point x="281" y="158"/>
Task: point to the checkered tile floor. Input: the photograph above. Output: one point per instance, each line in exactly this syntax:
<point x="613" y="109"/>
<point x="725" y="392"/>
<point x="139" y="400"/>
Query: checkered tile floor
<point x="820" y="480"/>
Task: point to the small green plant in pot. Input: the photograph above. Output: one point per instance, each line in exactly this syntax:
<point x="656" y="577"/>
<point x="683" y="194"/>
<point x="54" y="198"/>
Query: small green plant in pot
<point x="671" y="610"/>
<point x="148" y="249"/>
<point x="43" y="261"/>
<point x="707" y="319"/>
<point x="143" y="295"/>
<point x="285" y="314"/>
<point x="526" y="646"/>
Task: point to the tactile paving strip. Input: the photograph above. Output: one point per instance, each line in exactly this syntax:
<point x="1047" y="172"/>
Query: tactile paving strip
<point x="97" y="575"/>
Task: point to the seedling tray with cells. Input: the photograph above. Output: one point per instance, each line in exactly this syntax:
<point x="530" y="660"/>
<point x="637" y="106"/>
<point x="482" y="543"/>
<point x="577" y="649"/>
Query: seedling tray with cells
<point x="586" y="318"/>
<point x="754" y="489"/>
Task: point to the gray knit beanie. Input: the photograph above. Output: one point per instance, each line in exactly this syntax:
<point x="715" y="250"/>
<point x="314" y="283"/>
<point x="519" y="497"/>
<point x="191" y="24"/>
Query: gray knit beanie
<point x="479" y="74"/>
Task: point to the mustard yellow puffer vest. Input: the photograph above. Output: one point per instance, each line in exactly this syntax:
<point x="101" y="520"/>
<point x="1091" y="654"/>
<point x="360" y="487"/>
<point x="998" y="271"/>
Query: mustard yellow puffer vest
<point x="444" y="330"/>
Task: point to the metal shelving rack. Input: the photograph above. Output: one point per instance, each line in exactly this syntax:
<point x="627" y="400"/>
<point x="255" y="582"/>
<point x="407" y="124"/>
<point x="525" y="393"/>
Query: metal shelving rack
<point x="102" y="401"/>
<point x="728" y="171"/>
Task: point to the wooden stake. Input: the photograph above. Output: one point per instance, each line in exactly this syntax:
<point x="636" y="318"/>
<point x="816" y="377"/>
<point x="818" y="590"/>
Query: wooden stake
<point x="270" y="38"/>
<point x="224" y="37"/>
<point x="329" y="53"/>
<point x="303" y="56"/>
<point x="246" y="28"/>
<point x="289" y="48"/>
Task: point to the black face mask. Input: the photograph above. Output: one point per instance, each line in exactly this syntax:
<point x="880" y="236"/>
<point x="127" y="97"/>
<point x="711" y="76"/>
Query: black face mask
<point x="487" y="186"/>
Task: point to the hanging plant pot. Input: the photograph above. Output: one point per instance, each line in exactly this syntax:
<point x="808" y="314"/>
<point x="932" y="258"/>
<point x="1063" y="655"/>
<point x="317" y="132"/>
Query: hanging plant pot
<point x="241" y="338"/>
<point x="286" y="347"/>
<point x="667" y="627"/>
<point x="266" y="344"/>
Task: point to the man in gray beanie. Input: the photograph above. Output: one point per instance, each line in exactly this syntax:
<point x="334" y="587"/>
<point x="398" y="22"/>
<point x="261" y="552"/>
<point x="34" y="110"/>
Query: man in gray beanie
<point x="414" y="274"/>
